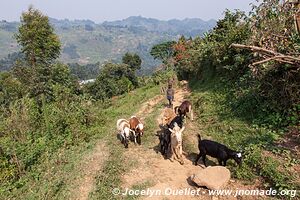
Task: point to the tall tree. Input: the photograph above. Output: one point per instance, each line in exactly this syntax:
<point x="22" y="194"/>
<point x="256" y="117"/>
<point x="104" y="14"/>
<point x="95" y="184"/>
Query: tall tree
<point x="133" y="60"/>
<point x="41" y="47"/>
<point x="163" y="51"/>
<point x="36" y="36"/>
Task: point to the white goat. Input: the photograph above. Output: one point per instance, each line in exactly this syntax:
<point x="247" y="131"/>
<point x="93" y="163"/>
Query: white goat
<point x="124" y="130"/>
<point x="176" y="143"/>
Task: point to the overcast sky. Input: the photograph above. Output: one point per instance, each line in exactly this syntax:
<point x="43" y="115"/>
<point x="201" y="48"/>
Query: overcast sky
<point x="108" y="10"/>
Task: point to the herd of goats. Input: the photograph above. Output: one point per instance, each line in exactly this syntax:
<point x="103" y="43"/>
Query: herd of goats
<point x="171" y="136"/>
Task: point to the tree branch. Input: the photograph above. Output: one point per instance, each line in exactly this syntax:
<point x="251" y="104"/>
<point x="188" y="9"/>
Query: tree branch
<point x="275" y="55"/>
<point x="277" y="58"/>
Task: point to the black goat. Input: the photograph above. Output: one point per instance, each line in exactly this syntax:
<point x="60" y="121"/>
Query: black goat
<point x="178" y="120"/>
<point x="216" y="150"/>
<point x="165" y="137"/>
<point x="165" y="141"/>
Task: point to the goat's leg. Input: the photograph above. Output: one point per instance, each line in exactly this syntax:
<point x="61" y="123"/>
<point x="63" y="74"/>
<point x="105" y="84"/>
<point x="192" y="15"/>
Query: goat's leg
<point x="172" y="155"/>
<point x="139" y="139"/>
<point x="180" y="150"/>
<point x="122" y="138"/>
<point x="224" y="163"/>
<point x="176" y="153"/>
<point x="134" y="136"/>
<point x="203" y="159"/>
<point x="169" y="148"/>
<point x="163" y="148"/>
<point x="125" y="143"/>
<point x="198" y="157"/>
<point x="220" y="162"/>
<point x="177" y="156"/>
<point x="180" y="154"/>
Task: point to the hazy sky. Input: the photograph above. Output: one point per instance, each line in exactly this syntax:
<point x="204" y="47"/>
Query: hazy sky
<point x="108" y="10"/>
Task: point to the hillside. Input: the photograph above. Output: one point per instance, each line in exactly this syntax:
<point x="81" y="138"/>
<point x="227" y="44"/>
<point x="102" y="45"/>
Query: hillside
<point x="84" y="41"/>
<point x="63" y="140"/>
<point x="92" y="169"/>
<point x="188" y="27"/>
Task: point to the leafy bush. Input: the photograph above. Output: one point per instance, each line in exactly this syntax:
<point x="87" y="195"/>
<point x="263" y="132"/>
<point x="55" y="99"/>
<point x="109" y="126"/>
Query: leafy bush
<point x="113" y="80"/>
<point x="265" y="167"/>
<point x="29" y="131"/>
<point x="268" y="90"/>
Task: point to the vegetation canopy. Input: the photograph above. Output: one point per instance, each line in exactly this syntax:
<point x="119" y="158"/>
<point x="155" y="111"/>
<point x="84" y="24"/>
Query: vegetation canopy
<point x="36" y="36"/>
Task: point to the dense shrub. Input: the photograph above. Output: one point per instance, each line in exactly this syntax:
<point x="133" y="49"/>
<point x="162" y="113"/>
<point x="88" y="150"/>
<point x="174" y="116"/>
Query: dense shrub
<point x="28" y="131"/>
<point x="270" y="90"/>
<point x="114" y="79"/>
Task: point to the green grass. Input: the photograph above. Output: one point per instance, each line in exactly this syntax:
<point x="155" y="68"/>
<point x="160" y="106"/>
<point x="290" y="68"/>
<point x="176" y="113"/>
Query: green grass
<point x="152" y="126"/>
<point x="55" y="172"/>
<point x="109" y="177"/>
<point x="148" y="142"/>
<point x="217" y="120"/>
<point x="53" y="176"/>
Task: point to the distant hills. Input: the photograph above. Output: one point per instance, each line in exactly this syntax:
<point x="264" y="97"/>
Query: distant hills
<point x="84" y="41"/>
<point x="188" y="27"/>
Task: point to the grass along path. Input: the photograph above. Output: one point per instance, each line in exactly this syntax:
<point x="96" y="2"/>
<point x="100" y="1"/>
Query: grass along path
<point x="88" y="169"/>
<point x="141" y="167"/>
<point x="265" y="164"/>
<point x="148" y="169"/>
<point x="94" y="162"/>
<point x="109" y="176"/>
<point x="151" y="170"/>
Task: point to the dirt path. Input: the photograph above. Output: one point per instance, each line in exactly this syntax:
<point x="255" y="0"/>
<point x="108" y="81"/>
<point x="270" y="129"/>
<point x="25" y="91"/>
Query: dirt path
<point x="88" y="169"/>
<point x="95" y="160"/>
<point x="150" y="169"/>
<point x="158" y="174"/>
<point x="148" y="106"/>
<point x="156" y="171"/>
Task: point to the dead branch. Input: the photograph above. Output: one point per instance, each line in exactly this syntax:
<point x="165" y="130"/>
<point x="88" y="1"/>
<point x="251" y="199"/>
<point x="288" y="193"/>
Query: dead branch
<point x="277" y="58"/>
<point x="255" y="48"/>
<point x="275" y="55"/>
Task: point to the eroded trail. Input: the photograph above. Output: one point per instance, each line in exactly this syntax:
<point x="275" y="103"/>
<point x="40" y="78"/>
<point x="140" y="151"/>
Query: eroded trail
<point x="88" y="170"/>
<point x="94" y="161"/>
<point x="156" y="172"/>
<point x="148" y="169"/>
<point x="151" y="170"/>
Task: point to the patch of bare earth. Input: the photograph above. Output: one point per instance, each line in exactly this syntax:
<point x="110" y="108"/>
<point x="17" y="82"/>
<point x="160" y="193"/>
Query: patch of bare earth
<point x="147" y="107"/>
<point x="88" y="170"/>
<point x="159" y="174"/>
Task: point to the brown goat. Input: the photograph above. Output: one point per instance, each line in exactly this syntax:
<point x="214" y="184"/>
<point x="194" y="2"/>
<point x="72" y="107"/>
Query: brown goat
<point x="137" y="127"/>
<point x="183" y="109"/>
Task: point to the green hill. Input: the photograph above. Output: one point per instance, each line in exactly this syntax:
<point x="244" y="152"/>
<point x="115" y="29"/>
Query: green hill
<point x="84" y="41"/>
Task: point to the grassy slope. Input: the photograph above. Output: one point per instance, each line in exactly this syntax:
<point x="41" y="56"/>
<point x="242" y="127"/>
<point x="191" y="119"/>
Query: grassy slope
<point x="110" y="177"/>
<point x="102" y="44"/>
<point x="53" y="177"/>
<point x="217" y="121"/>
